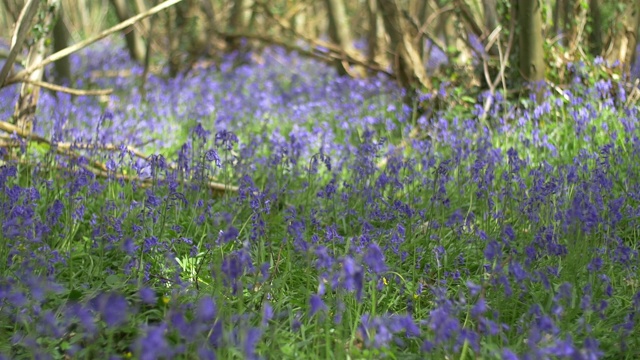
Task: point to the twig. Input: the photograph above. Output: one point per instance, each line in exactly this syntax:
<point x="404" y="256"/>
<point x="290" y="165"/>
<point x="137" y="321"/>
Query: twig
<point x="435" y="15"/>
<point x="422" y="31"/>
<point x="82" y="44"/>
<point x="68" y="90"/>
<point x="467" y="17"/>
<point x="157" y="70"/>
<point x="337" y="52"/>
<point x="314" y="52"/>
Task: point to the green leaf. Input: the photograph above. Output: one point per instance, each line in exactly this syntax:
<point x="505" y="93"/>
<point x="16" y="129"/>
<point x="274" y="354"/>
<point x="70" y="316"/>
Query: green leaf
<point x="113" y="280"/>
<point x="468" y="99"/>
<point x="75" y="294"/>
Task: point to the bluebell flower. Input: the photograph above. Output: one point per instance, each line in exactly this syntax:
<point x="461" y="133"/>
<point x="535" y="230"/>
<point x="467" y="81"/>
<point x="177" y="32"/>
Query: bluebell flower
<point x="147" y="295"/>
<point x="113" y="307"/>
<point x="374" y="259"/>
<point x="316" y="304"/>
<point x="252" y="338"/>
<point x="153" y="345"/>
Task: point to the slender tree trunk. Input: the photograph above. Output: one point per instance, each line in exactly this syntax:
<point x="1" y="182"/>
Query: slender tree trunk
<point x="135" y="45"/>
<point x="624" y="38"/>
<point x="62" y="67"/>
<point x="25" y="109"/>
<point x="558" y="20"/>
<point x="377" y="50"/>
<point x="239" y="20"/>
<point x="340" y="33"/>
<point x="408" y="65"/>
<point x="491" y="20"/>
<point x="532" y="67"/>
<point x="174" y="42"/>
<point x="595" y="37"/>
<point x="569" y="22"/>
<point x="425" y="12"/>
<point x="448" y="26"/>
<point x="12" y="9"/>
<point x="298" y="20"/>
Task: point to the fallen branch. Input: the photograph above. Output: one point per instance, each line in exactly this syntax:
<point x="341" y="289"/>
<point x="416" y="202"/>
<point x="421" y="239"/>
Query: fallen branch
<point x="9" y="128"/>
<point x="147" y="182"/>
<point x="213" y="186"/>
<point x="98" y="168"/>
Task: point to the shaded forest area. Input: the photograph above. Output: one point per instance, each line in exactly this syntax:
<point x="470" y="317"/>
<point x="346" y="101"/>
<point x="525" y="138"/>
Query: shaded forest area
<point x="494" y="45"/>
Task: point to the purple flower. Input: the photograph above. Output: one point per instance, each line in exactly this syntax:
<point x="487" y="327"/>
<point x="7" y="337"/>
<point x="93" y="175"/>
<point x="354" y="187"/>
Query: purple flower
<point x="562" y="348"/>
<point x="473" y="288"/>
<point x="353" y="276"/>
<point x="206" y="354"/>
<point x="228" y="235"/>
<point x="509" y="355"/>
<point x="267" y="314"/>
<point x="479" y="308"/>
<point x="252" y="338"/>
<point x="153" y="344"/>
<point x="212" y="155"/>
<point x="206" y="309"/>
<point x="226" y="138"/>
<point x="374" y="259"/>
<point x="316" y="304"/>
<point x="148" y="296"/>
<point x="113" y="308"/>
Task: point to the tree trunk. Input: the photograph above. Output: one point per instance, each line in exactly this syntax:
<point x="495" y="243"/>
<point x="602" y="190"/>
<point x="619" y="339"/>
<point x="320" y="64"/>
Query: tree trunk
<point x="25" y="109"/>
<point x="424" y="15"/>
<point x="595" y="37"/>
<point x="558" y="20"/>
<point x="340" y="33"/>
<point x="135" y="45"/>
<point x="624" y="38"/>
<point x="569" y="23"/>
<point x="491" y="21"/>
<point x="531" y="54"/>
<point x="239" y="20"/>
<point x="62" y="67"/>
<point x="377" y="50"/>
<point x="298" y="21"/>
<point x="408" y="65"/>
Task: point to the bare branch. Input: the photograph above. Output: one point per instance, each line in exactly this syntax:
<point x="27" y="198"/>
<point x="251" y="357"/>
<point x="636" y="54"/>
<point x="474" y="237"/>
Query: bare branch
<point x="467" y="17"/>
<point x="82" y="44"/>
<point x="338" y="53"/>
<point x="327" y="56"/>
<point x="423" y="31"/>
<point x="68" y="90"/>
<point x="19" y="36"/>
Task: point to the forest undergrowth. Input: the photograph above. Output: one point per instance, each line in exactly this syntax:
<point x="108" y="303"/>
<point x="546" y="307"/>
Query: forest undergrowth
<point x="335" y="234"/>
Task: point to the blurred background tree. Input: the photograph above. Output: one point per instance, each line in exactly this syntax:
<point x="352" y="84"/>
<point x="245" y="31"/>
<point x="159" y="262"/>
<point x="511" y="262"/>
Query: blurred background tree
<point x="495" y="45"/>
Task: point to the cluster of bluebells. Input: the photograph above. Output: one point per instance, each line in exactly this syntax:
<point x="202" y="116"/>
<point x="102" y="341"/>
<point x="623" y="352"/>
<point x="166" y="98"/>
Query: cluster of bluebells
<point x="434" y="246"/>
